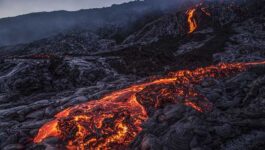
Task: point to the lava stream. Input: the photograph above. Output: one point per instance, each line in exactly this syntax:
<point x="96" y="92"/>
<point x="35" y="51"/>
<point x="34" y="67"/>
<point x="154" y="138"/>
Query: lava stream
<point x="113" y="121"/>
<point x="192" y="23"/>
<point x="191" y="20"/>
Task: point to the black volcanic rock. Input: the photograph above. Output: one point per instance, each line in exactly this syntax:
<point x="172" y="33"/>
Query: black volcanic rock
<point x="35" y="26"/>
<point x="72" y="68"/>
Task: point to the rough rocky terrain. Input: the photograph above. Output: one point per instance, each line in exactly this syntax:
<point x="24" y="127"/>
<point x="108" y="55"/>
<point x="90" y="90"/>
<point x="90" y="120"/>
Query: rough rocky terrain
<point x="49" y="75"/>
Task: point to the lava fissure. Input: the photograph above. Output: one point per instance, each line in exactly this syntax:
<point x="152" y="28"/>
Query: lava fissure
<point x="113" y="121"/>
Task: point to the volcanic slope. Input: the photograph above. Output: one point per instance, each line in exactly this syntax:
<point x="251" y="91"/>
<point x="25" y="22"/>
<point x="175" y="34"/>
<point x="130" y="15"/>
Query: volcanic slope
<point x="34" y="88"/>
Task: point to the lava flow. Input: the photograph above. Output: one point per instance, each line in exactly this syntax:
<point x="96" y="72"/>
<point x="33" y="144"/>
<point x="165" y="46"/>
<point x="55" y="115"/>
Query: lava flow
<point x="191" y="13"/>
<point x="191" y="20"/>
<point x="113" y="121"/>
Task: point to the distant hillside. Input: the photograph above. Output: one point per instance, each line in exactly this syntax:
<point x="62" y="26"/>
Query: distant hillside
<point x="35" y="26"/>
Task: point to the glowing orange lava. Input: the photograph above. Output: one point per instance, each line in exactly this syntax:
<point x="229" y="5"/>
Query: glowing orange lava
<point x="191" y="20"/>
<point x="193" y="25"/>
<point x="113" y="121"/>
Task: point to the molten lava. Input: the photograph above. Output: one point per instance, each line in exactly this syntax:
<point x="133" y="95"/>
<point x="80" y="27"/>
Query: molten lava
<point x="113" y="121"/>
<point x="191" y="20"/>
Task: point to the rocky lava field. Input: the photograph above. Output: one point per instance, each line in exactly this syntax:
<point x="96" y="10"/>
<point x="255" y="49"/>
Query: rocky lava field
<point x="190" y="79"/>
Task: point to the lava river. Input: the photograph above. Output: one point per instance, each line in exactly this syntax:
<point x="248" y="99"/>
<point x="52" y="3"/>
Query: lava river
<point x="113" y="121"/>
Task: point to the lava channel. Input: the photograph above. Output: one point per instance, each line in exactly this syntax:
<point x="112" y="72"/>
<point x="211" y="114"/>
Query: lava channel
<point x="191" y="20"/>
<point x="113" y="121"/>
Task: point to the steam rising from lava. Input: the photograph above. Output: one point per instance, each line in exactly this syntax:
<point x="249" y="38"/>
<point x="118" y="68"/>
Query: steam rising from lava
<point x="113" y="121"/>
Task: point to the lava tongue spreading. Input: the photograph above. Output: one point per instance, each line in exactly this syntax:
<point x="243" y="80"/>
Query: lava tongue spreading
<point x="113" y="121"/>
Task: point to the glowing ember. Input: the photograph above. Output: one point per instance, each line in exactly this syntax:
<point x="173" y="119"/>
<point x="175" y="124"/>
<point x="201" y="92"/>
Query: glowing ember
<point x="113" y="121"/>
<point x="191" y="20"/>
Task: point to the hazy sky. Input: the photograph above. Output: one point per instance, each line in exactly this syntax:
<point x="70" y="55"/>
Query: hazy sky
<point x="17" y="7"/>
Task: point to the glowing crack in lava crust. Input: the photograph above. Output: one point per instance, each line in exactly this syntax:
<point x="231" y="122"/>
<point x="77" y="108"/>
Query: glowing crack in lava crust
<point x="113" y="121"/>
